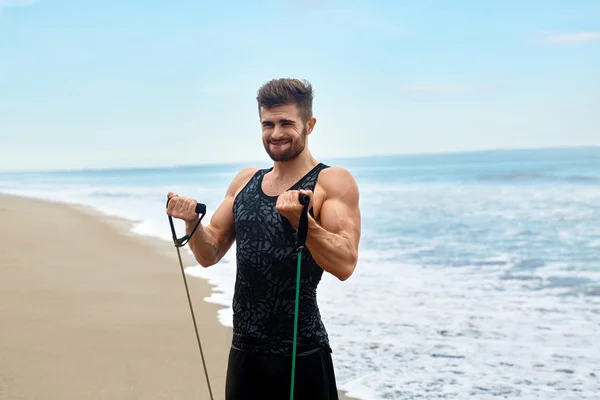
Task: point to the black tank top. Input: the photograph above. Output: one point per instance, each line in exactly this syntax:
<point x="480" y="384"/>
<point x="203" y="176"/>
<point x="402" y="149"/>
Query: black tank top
<point x="265" y="286"/>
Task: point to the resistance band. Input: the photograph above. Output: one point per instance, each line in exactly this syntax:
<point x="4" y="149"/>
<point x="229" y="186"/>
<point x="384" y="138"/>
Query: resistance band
<point x="300" y="243"/>
<point x="180" y="242"/>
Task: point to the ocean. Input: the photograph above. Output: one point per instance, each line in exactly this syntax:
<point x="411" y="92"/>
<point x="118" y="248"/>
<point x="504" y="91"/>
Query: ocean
<point x="478" y="273"/>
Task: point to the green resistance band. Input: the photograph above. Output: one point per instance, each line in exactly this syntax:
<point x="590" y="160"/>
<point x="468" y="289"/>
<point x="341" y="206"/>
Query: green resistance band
<point x="295" y="324"/>
<point x="300" y="242"/>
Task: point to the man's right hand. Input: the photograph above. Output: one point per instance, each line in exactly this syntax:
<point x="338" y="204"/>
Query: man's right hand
<point x="183" y="208"/>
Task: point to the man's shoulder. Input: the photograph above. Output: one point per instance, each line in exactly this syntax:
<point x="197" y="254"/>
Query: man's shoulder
<point x="337" y="180"/>
<point x="246" y="173"/>
<point x="242" y="178"/>
<point x="336" y="175"/>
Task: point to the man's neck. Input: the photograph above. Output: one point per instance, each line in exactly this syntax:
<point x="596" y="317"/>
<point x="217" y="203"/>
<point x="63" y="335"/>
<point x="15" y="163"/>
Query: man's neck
<point x="298" y="166"/>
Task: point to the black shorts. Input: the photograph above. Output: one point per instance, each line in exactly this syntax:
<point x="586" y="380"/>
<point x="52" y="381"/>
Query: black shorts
<point x="253" y="376"/>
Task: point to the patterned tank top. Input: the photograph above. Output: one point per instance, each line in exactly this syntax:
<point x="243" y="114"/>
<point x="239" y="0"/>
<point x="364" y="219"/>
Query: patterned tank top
<point x="265" y="286"/>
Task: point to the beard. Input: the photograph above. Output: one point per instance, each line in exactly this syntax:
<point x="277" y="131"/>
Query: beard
<point x="294" y="148"/>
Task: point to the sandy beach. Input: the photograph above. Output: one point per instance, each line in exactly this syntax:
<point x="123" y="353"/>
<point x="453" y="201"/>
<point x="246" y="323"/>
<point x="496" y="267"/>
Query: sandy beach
<point x="89" y="310"/>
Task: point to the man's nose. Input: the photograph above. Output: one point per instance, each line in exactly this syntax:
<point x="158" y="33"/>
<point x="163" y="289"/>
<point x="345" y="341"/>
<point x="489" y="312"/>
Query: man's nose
<point x="277" y="132"/>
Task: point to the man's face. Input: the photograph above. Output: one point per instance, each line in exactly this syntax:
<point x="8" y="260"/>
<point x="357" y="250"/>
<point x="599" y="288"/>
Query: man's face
<point x="283" y="133"/>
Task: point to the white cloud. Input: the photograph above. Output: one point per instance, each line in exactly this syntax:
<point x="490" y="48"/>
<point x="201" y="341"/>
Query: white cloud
<point x="15" y="3"/>
<point x="446" y="89"/>
<point x="571" y="38"/>
<point x="9" y="3"/>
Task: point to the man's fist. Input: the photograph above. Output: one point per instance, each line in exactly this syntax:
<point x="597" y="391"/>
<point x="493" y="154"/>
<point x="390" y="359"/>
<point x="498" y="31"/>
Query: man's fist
<point x="183" y="208"/>
<point x="289" y="206"/>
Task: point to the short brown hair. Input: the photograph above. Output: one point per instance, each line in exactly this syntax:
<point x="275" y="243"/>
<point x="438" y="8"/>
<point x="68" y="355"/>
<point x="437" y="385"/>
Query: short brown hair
<point x="283" y="91"/>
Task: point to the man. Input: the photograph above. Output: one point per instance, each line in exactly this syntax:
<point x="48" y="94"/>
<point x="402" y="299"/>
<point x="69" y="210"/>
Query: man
<point x="261" y="212"/>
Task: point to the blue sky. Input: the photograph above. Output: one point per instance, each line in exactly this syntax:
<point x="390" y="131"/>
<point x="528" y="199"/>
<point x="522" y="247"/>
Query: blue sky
<point x="89" y="84"/>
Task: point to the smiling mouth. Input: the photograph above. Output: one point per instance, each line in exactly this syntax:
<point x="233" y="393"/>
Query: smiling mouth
<point x="278" y="142"/>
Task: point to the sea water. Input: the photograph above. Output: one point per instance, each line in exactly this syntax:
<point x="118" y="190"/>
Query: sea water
<point x="478" y="273"/>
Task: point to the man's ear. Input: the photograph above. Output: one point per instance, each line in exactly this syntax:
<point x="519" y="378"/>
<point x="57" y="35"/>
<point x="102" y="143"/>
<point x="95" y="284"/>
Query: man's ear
<point x="310" y="125"/>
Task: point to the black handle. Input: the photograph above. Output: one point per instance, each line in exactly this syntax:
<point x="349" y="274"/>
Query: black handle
<point x="200" y="208"/>
<point x="304" y="199"/>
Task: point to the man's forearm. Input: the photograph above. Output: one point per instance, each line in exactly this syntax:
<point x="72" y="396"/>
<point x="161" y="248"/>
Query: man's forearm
<point x="203" y="245"/>
<point x="334" y="253"/>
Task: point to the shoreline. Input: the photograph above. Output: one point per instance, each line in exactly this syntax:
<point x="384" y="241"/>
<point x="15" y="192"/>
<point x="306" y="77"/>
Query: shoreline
<point x="95" y="310"/>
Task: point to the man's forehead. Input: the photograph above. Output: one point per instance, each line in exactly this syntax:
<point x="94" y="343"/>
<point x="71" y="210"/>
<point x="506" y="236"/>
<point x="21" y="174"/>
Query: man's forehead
<point x="288" y="111"/>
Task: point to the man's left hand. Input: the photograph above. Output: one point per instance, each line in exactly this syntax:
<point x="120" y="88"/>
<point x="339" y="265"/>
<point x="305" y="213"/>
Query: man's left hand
<point x="289" y="206"/>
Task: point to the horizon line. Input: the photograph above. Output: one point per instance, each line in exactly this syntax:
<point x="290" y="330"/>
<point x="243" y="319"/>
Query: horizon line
<point x="355" y="157"/>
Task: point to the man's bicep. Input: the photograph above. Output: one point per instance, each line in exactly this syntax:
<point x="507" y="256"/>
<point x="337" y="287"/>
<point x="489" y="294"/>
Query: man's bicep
<point x="221" y="226"/>
<point x="340" y="212"/>
<point x="341" y="218"/>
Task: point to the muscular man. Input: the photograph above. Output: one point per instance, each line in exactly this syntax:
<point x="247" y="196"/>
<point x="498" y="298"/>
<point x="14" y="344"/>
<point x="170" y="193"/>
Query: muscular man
<point x="261" y="213"/>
